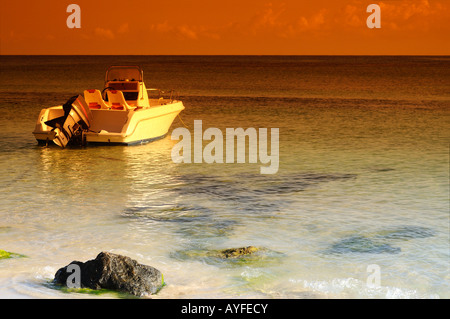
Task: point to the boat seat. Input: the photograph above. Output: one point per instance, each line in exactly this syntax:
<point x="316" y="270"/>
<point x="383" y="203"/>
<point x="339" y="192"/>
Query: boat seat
<point x="118" y="101"/>
<point x="94" y="99"/>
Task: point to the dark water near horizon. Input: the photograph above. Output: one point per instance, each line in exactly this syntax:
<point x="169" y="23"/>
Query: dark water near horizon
<point x="363" y="178"/>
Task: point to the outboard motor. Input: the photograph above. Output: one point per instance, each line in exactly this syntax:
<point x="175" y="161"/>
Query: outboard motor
<point x="69" y="127"/>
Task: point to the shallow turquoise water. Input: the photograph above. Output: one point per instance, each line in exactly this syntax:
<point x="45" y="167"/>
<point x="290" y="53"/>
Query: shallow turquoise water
<point x="363" y="179"/>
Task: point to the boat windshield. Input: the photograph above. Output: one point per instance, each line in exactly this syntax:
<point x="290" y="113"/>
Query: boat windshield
<point x="124" y="73"/>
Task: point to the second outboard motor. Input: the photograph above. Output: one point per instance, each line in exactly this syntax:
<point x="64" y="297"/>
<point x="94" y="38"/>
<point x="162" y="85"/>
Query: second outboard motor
<point x="77" y="117"/>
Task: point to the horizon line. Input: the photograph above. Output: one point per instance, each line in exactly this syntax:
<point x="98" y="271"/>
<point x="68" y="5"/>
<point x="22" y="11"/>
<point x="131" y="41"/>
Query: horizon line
<point x="112" y="55"/>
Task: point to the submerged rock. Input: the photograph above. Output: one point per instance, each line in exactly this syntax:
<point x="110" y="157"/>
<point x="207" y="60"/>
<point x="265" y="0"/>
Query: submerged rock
<point x="4" y="254"/>
<point x="256" y="256"/>
<point x="237" y="252"/>
<point x="113" y="272"/>
<point x="7" y="254"/>
<point x="406" y="232"/>
<point x="361" y="244"/>
<point x="380" y="241"/>
<point x="4" y="229"/>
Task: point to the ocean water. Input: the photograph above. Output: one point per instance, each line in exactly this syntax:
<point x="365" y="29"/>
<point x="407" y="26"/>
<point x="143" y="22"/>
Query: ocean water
<point x="362" y="184"/>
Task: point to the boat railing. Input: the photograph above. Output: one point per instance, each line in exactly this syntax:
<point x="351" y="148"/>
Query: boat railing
<point x="173" y="95"/>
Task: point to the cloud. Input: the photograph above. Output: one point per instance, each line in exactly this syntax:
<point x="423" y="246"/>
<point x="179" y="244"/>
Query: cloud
<point x="267" y="18"/>
<point x="406" y="15"/>
<point x="161" y="27"/>
<point x="353" y="16"/>
<point x="420" y="15"/>
<point x="104" y="33"/>
<point x="276" y="21"/>
<point x="285" y="20"/>
<point x="124" y="28"/>
<point x="405" y="10"/>
<point x="186" y="32"/>
<point x="313" y="22"/>
<point x="271" y="20"/>
<point x="182" y="31"/>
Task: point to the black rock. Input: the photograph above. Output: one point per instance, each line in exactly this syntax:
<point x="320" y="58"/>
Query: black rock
<point x="114" y="272"/>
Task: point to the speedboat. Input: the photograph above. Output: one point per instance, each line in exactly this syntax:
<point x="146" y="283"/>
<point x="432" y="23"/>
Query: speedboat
<point x="122" y="113"/>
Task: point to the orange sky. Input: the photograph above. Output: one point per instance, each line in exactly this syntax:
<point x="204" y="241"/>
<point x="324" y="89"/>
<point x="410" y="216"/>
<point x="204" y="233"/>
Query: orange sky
<point x="260" y="27"/>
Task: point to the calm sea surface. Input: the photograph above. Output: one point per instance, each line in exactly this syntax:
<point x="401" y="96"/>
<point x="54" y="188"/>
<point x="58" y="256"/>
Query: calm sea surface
<point x="363" y="179"/>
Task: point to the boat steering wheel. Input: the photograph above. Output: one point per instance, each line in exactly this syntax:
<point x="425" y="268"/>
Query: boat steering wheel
<point x="104" y="90"/>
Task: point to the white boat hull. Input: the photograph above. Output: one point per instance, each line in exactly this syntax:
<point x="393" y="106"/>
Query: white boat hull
<point x="117" y="127"/>
<point x="141" y="126"/>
